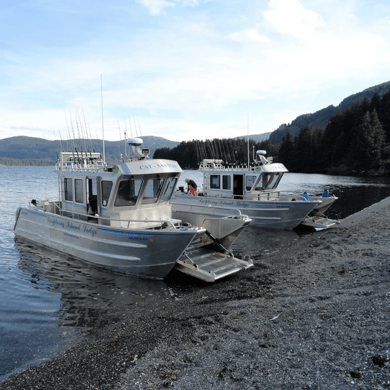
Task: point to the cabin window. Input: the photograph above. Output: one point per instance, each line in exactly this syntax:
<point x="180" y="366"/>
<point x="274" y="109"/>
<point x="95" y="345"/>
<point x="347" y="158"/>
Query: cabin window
<point x="68" y="189"/>
<point x="215" y="181"/>
<point x="250" y="180"/>
<point x="106" y="191"/>
<point x="128" y="192"/>
<point x="152" y="190"/>
<point x="79" y="195"/>
<point x="268" y="181"/>
<point x="226" y="182"/>
<point x="171" y="184"/>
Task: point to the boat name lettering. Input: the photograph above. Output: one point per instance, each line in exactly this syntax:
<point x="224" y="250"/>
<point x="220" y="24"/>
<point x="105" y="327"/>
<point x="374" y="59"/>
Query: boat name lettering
<point x="90" y="230"/>
<point x="142" y="238"/>
<point x="242" y="204"/>
<point x="150" y="166"/>
<point x="70" y="225"/>
<point x="55" y="221"/>
<point x="166" y="166"/>
<point x="224" y="203"/>
<point x="214" y="202"/>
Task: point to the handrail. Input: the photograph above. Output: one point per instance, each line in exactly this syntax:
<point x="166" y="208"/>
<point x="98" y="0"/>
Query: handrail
<point x="238" y="211"/>
<point x="129" y="221"/>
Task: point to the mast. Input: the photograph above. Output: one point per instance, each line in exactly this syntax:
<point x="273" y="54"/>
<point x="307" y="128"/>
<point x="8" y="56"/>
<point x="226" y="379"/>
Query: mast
<point x="247" y="126"/>
<point x="101" y="97"/>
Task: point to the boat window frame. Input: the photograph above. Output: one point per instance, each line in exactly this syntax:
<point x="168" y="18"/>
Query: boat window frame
<point x="246" y="181"/>
<point x="78" y="191"/>
<point x="271" y="182"/>
<point x="168" y="187"/>
<point x="136" y="197"/>
<point x="152" y="200"/>
<point x="227" y="184"/>
<point x="68" y="189"/>
<point x="215" y="186"/>
<point x="103" y="193"/>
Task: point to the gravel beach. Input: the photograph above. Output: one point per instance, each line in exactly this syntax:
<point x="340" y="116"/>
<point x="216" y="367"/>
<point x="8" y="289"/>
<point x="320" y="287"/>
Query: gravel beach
<point x="315" y="314"/>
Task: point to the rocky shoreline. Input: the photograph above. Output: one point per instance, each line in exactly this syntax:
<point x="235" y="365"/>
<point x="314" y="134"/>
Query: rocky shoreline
<point x="313" y="315"/>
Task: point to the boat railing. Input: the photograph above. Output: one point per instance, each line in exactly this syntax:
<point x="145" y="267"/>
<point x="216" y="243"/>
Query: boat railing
<point x="233" y="212"/>
<point x="215" y="164"/>
<point x="80" y="167"/>
<point x="218" y="221"/>
<point x="80" y="162"/>
<point x="124" y="223"/>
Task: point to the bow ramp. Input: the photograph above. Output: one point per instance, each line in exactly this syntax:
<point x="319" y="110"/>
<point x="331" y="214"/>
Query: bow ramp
<point x="209" y="265"/>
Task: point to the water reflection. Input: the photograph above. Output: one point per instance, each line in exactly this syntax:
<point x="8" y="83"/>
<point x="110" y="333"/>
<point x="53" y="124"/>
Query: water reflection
<point x="354" y="199"/>
<point x="90" y="297"/>
<point x="354" y="193"/>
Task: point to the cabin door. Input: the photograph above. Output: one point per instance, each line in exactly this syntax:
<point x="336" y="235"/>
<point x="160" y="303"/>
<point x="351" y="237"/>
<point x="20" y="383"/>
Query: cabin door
<point x="238" y="186"/>
<point x="92" y="195"/>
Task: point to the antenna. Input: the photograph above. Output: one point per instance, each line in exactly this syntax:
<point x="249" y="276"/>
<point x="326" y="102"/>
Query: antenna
<point x="135" y="127"/>
<point x="131" y="129"/>
<point x="88" y="137"/>
<point x="119" y="128"/>
<point x="101" y="96"/>
<point x="247" y="126"/>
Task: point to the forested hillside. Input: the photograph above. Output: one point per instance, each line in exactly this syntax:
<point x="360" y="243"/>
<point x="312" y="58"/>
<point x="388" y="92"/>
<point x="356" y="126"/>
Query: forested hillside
<point x="38" y="151"/>
<point x="355" y="141"/>
<point x="321" y="118"/>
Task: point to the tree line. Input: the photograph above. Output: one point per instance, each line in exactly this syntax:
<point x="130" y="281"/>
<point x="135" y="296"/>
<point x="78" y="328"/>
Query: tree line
<point x="232" y="151"/>
<point x="5" y="161"/>
<point x="355" y="141"/>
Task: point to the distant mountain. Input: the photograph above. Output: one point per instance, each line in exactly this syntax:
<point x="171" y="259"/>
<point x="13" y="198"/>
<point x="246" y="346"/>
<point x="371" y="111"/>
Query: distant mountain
<point x="38" y="151"/>
<point x="321" y="118"/>
<point x="256" y="137"/>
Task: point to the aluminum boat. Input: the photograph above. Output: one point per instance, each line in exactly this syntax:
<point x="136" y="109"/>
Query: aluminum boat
<point x="120" y="217"/>
<point x="253" y="191"/>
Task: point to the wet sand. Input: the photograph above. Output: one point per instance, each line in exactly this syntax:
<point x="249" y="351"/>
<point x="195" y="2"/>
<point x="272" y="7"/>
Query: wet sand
<point x="315" y="314"/>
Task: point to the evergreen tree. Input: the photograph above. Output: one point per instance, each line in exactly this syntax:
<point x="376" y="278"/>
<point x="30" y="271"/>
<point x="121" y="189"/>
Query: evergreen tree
<point x="287" y="151"/>
<point x="368" y="143"/>
<point x="303" y="150"/>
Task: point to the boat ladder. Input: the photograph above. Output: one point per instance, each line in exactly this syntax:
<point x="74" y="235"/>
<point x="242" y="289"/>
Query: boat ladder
<point x="209" y="265"/>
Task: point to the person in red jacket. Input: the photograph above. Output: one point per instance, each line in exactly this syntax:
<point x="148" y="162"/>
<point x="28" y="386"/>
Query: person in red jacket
<point x="192" y="187"/>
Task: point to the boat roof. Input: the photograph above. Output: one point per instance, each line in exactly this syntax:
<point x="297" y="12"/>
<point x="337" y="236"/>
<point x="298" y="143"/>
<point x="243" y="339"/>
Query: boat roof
<point x="215" y="165"/>
<point x="151" y="166"/>
<point x="92" y="162"/>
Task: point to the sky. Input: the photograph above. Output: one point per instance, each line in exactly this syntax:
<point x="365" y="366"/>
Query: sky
<point x="182" y="69"/>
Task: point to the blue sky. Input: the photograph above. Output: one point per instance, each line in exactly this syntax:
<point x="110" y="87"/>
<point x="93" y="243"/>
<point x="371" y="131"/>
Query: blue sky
<point x="183" y="69"/>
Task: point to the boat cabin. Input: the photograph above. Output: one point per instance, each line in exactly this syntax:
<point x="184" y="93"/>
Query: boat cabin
<point x="132" y="193"/>
<point x="256" y="182"/>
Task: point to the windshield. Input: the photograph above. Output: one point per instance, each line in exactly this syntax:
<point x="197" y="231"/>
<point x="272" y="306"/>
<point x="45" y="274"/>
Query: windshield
<point x="128" y="192"/>
<point x="269" y="181"/>
<point x="152" y="190"/>
<point x="171" y="184"/>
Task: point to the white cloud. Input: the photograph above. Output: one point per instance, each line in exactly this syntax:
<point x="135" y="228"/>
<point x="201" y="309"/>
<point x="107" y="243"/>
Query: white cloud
<point x="291" y="18"/>
<point x="155" y="7"/>
<point x="248" y="35"/>
<point x="197" y="76"/>
<point x="39" y="123"/>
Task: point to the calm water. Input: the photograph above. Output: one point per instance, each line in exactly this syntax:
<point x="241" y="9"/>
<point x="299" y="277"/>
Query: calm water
<point x="49" y="302"/>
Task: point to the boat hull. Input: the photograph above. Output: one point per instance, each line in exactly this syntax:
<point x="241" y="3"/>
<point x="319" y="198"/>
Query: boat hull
<point x="221" y="229"/>
<point x="323" y="205"/>
<point x="278" y="214"/>
<point x="144" y="253"/>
